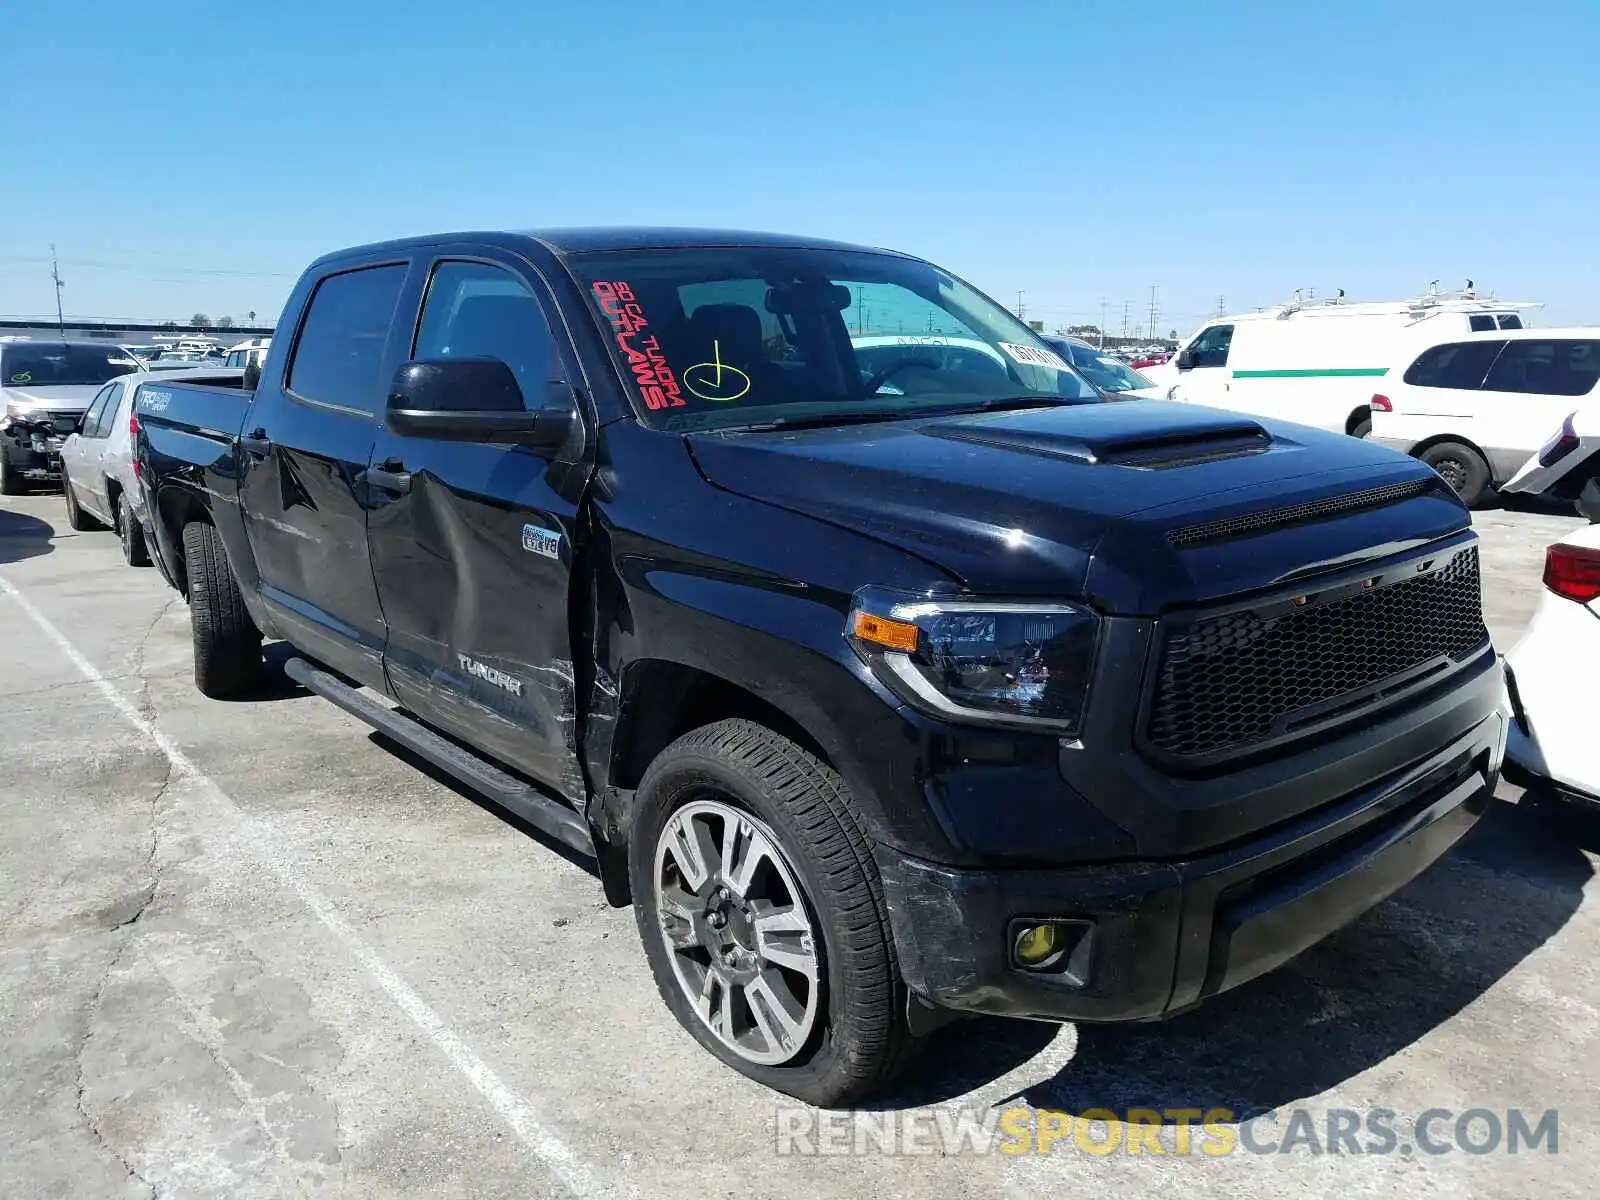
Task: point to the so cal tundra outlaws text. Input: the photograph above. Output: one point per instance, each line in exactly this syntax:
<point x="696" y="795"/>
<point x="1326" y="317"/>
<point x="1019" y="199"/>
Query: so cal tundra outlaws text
<point x="886" y="683"/>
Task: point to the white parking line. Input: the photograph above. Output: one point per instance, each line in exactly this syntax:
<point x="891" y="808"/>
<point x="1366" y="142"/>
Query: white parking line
<point x="515" y="1111"/>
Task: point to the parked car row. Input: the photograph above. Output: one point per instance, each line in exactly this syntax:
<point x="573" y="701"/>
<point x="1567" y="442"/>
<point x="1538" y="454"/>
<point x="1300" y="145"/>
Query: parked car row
<point x="47" y="386"/>
<point x="99" y="475"/>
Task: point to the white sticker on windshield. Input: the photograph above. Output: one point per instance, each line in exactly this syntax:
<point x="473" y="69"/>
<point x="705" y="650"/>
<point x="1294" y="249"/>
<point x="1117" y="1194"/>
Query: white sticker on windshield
<point x="1034" y="356"/>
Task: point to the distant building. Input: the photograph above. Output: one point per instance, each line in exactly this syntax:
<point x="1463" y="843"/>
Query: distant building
<point x="112" y="330"/>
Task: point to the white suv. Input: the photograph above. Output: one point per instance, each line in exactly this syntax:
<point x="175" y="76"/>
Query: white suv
<point x="1475" y="408"/>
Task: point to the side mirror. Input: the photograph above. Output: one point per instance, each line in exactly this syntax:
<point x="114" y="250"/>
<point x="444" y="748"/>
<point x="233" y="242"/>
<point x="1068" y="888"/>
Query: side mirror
<point x="1185" y="359"/>
<point x="475" y="400"/>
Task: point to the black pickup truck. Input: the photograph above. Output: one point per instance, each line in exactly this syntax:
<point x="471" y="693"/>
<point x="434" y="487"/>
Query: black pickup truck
<point x="888" y="669"/>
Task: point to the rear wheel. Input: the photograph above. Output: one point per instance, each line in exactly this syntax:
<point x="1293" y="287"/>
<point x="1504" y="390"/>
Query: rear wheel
<point x="132" y="535"/>
<point x="76" y="517"/>
<point x="1361" y="427"/>
<point x="762" y="914"/>
<point x="11" y="481"/>
<point x="227" y="644"/>
<point x="1462" y="468"/>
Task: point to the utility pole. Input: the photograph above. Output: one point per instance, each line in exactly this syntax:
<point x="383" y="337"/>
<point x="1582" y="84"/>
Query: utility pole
<point x="1124" y="318"/>
<point x="1102" y="322"/>
<point x="1222" y="309"/>
<point x="1153" y="311"/>
<point x="55" y="275"/>
<point x="1021" y="308"/>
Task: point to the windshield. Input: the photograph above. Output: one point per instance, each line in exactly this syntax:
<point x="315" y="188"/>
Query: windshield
<point x="51" y="364"/>
<point x="715" y="338"/>
<point x="1105" y="372"/>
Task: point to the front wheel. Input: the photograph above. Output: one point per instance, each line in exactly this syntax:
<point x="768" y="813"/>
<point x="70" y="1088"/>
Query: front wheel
<point x="762" y="914"/>
<point x="11" y="481"/>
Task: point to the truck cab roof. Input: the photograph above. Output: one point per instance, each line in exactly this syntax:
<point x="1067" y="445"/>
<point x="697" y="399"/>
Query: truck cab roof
<point x="577" y="240"/>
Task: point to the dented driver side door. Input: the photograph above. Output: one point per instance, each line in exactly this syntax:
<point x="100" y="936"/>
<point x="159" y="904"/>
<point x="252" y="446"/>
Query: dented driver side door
<point x="472" y="544"/>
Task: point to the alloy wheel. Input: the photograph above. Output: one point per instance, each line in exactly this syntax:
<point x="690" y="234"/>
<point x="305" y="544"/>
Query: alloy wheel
<point x="738" y="930"/>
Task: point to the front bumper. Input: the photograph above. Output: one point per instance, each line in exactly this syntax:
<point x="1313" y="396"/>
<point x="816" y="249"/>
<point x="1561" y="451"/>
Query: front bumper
<point x="1170" y="934"/>
<point x="25" y="457"/>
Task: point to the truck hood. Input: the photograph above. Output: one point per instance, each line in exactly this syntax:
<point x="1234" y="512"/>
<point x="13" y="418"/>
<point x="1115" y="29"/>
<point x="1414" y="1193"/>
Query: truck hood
<point x="1137" y="506"/>
<point x="64" y="397"/>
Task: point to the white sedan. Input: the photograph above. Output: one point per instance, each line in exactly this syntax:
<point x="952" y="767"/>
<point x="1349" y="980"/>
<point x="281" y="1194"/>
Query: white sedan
<point x="1550" y="674"/>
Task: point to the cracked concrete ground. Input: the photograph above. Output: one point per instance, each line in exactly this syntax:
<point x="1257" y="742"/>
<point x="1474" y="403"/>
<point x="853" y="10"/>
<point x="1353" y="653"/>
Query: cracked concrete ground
<point x="177" y="1019"/>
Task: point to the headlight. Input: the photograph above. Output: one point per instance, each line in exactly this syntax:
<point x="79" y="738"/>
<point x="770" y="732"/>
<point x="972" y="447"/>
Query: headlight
<point x="979" y="661"/>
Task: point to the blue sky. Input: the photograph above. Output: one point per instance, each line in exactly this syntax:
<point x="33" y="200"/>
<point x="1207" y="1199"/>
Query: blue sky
<point x="1071" y="150"/>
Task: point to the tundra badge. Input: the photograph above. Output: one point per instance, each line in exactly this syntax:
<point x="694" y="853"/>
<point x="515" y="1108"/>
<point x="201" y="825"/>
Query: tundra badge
<point x="490" y="674"/>
<point x="536" y="539"/>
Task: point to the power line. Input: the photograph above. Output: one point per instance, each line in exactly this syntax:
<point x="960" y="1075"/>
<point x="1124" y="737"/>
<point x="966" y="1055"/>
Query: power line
<point x="157" y="267"/>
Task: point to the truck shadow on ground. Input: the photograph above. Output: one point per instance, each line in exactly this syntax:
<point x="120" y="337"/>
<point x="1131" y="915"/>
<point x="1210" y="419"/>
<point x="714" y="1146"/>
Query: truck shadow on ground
<point x="1342" y="1007"/>
<point x="23" y="536"/>
<point x="273" y="684"/>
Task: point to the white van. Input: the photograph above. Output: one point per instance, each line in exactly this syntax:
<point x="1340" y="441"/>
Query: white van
<point x="244" y="354"/>
<point x="1318" y="363"/>
<point x="1476" y="407"/>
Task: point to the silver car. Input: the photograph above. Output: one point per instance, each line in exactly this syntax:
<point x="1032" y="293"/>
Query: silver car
<point x="44" y="387"/>
<point x="97" y="460"/>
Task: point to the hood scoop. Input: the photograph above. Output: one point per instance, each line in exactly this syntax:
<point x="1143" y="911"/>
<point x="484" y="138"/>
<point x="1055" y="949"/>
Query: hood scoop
<point x="1185" y="445"/>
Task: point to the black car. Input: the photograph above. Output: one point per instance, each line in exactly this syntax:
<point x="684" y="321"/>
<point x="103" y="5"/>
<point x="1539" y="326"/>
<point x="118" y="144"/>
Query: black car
<point x="885" y="690"/>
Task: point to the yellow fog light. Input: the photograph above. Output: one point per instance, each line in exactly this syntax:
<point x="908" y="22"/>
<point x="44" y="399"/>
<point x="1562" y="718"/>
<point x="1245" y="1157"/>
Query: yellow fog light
<point x="1035" y="945"/>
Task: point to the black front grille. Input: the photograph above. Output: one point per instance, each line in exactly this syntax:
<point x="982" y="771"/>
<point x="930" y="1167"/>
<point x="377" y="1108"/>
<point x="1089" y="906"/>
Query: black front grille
<point x="1235" y="680"/>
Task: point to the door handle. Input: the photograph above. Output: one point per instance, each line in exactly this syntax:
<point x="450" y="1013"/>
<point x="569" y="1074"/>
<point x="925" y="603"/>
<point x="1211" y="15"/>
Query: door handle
<point x="391" y="475"/>
<point x="256" y="442"/>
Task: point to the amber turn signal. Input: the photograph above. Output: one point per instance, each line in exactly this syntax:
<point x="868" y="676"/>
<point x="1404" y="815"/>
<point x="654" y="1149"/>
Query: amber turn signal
<point x="881" y="631"/>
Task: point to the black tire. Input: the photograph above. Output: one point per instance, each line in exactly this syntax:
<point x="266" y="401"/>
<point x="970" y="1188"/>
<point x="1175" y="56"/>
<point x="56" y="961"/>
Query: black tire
<point x="860" y="1039"/>
<point x="1462" y="468"/>
<point x="76" y="517"/>
<point x="134" y="550"/>
<point x="227" y="644"/>
<point x="1361" y="428"/>
<point x="11" y="482"/>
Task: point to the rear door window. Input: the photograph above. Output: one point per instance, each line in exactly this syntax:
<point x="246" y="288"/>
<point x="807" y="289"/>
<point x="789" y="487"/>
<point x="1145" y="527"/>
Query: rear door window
<point x="108" y="412"/>
<point x="91" y="419"/>
<point x="1546" y="367"/>
<point x="340" y="350"/>
<point x="1460" y="365"/>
